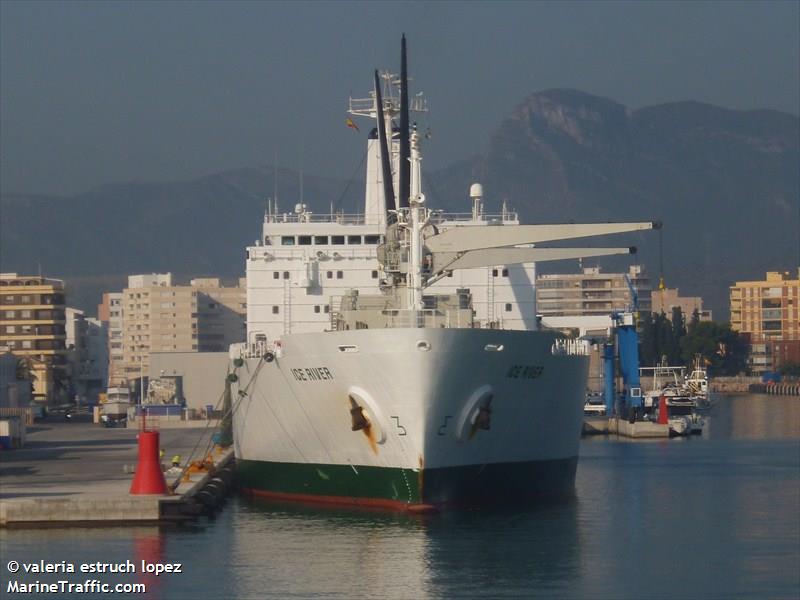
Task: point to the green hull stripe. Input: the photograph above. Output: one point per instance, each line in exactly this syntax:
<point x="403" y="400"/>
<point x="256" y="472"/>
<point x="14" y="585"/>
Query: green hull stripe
<point x="344" y="481"/>
<point x="474" y="484"/>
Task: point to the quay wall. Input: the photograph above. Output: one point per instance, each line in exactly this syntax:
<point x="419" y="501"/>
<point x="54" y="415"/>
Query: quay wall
<point x="115" y="509"/>
<point x="791" y="388"/>
<point x="732" y="385"/>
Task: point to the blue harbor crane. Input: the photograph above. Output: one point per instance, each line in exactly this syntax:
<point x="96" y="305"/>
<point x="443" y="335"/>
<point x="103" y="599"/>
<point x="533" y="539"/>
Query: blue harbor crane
<point x="623" y="343"/>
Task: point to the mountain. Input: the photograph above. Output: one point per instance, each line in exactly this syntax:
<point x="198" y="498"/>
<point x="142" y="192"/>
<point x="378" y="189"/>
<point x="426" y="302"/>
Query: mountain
<point x="725" y="183"/>
<point x="193" y="229"/>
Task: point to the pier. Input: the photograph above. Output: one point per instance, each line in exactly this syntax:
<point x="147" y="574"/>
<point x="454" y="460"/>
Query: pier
<point x="76" y="473"/>
<point x="602" y="425"/>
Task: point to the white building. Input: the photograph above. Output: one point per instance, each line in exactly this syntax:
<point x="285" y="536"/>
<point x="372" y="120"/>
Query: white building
<point x="87" y="355"/>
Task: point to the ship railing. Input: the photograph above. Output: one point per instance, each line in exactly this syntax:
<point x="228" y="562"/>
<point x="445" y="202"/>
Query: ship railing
<point x="437" y="218"/>
<point x="566" y="347"/>
<point x="441" y="218"/>
<point x="365" y="107"/>
<point x="320" y="253"/>
<point x="255" y="349"/>
<point x="310" y="217"/>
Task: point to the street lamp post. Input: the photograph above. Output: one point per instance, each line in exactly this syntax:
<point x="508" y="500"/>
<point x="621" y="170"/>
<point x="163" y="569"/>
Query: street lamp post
<point x="141" y="382"/>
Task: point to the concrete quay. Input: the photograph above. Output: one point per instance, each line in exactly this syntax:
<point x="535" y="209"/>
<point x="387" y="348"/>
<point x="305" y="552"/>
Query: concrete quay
<point x="79" y="473"/>
<point x="639" y="429"/>
<point x="601" y="425"/>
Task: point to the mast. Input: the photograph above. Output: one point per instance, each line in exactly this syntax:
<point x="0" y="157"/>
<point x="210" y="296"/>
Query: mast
<point x="403" y="188"/>
<point x="388" y="188"/>
<point x="417" y="220"/>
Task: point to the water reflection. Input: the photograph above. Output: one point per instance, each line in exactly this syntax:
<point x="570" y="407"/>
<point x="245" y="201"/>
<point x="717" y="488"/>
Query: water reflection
<point x="452" y="554"/>
<point x="755" y="416"/>
<point x="148" y="551"/>
<point x="514" y="553"/>
<point x="709" y="517"/>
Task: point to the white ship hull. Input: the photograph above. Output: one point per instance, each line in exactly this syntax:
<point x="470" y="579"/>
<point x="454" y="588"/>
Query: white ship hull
<point x="423" y="447"/>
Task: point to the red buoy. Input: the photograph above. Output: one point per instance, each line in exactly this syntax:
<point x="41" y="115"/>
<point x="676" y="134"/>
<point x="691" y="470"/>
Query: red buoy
<point x="149" y="478"/>
<point x="663" y="419"/>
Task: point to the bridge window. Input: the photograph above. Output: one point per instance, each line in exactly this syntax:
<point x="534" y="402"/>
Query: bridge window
<point x="337" y="240"/>
<point x="304" y="240"/>
<point x="353" y="239"/>
<point x="372" y="239"/>
<point x="321" y="240"/>
<point x="287" y="240"/>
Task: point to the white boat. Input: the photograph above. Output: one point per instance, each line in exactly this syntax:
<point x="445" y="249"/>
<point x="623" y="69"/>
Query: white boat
<point x="682" y="416"/>
<point x="393" y="358"/>
<point x="669" y="383"/>
<point x="595" y="404"/>
<point x="697" y="385"/>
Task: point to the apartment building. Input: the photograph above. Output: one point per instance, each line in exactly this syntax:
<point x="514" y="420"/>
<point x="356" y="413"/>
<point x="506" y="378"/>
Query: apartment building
<point x="590" y="293"/>
<point x="32" y="326"/>
<point x="665" y="300"/>
<point x="109" y="312"/>
<point x="87" y="355"/>
<point x="768" y="313"/>
<point x="160" y="316"/>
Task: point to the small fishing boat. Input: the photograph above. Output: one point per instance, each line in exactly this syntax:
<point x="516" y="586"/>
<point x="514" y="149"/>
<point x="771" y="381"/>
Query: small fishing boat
<point x="697" y="384"/>
<point x="595" y="404"/>
<point x="669" y="384"/>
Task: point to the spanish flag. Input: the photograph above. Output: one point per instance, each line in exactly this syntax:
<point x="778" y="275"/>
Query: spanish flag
<point x="349" y="122"/>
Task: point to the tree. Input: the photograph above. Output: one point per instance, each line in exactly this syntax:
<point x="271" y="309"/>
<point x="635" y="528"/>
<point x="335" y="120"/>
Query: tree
<point x="695" y="321"/>
<point x="723" y="350"/>
<point x="661" y="337"/>
<point x="648" y="346"/>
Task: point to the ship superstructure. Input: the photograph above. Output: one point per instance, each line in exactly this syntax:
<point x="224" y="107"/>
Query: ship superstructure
<point x="305" y="260"/>
<point x="378" y="368"/>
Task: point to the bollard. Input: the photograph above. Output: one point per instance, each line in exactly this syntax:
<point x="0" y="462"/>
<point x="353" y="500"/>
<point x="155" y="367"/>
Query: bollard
<point x="663" y="419"/>
<point x="148" y="479"/>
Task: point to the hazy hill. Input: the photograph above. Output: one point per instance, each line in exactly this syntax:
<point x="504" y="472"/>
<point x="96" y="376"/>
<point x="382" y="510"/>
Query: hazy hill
<point x="725" y="183"/>
<point x="193" y="229"/>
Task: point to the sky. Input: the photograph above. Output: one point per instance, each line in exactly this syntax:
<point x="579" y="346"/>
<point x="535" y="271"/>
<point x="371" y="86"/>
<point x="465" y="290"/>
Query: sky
<point x="100" y="92"/>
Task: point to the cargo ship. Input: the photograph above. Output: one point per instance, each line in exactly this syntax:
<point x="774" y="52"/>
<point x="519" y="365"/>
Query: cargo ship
<point x="394" y="358"/>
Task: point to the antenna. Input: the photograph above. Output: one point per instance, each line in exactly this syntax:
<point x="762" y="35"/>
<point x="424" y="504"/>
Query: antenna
<point x="275" y="181"/>
<point x="302" y="161"/>
<point x="661" y="285"/>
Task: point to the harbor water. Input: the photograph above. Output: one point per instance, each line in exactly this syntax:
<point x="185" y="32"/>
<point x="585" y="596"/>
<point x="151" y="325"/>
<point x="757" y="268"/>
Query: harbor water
<point x="716" y="516"/>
